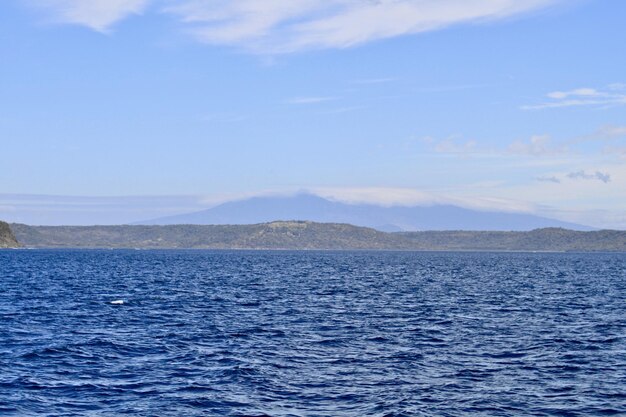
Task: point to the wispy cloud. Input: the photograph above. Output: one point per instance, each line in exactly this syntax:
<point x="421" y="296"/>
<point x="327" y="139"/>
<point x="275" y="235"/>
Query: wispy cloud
<point x="607" y="133"/>
<point x="549" y="179"/>
<point x="612" y="95"/>
<point x="455" y="146"/>
<point x="74" y="210"/>
<point x="597" y="176"/>
<point x="535" y="146"/>
<point x="98" y="15"/>
<point x="538" y="145"/>
<point x="283" y="26"/>
<point x="611" y="132"/>
<point x="619" y="151"/>
<point x="396" y="196"/>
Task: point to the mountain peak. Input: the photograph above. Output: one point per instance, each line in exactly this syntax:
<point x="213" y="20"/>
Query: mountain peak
<point x="309" y="207"/>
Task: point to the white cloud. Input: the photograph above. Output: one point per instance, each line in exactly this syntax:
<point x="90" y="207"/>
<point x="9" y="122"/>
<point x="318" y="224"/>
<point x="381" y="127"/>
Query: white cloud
<point x="383" y="196"/>
<point x="98" y="15"/>
<point x="390" y="196"/>
<point x="612" y="95"/>
<point x="345" y="23"/>
<point x="574" y="200"/>
<point x="281" y="26"/>
<point x="579" y="92"/>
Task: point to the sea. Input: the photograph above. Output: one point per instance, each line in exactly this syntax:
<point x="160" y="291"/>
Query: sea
<point x="306" y="333"/>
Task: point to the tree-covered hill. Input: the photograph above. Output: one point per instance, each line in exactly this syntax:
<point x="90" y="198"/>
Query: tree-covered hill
<point x="275" y="235"/>
<point x="548" y="239"/>
<point x="299" y="235"/>
<point x="7" y="239"/>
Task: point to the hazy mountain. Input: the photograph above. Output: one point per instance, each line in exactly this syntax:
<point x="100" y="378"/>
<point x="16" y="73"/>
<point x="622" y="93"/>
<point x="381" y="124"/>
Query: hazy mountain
<point x="391" y="219"/>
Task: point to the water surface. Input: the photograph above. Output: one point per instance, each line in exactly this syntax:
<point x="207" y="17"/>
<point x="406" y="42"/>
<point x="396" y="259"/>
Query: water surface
<point x="203" y="333"/>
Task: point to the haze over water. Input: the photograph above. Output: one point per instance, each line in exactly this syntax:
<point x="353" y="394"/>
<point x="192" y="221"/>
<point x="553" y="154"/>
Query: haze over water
<point x="311" y="333"/>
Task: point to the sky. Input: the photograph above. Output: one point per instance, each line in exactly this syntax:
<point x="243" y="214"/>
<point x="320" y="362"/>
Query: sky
<point x="122" y="110"/>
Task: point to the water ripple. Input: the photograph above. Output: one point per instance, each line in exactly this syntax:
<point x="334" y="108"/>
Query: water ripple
<point x="311" y="333"/>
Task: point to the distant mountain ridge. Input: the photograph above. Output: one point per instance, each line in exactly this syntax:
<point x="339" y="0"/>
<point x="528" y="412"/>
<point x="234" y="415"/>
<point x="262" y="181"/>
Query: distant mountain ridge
<point x="295" y="235"/>
<point x="552" y="239"/>
<point x="312" y="236"/>
<point x="308" y="207"/>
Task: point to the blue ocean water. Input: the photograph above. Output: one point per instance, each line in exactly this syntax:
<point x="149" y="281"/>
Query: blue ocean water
<point x="218" y="333"/>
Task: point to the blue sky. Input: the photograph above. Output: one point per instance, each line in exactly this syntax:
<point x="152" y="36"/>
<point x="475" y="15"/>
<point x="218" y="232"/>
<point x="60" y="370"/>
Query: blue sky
<point x="509" y="105"/>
